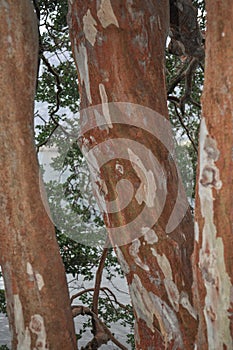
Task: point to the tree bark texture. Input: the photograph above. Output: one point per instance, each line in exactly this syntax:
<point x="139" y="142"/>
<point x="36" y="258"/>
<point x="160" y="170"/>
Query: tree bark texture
<point x="213" y="257"/>
<point x="36" y="290"/>
<point x="118" y="47"/>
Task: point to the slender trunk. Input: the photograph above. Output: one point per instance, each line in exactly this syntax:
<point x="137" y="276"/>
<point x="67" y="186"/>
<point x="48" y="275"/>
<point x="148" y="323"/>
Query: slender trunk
<point x="37" y="296"/>
<point x="213" y="257"/>
<point x="119" y="48"/>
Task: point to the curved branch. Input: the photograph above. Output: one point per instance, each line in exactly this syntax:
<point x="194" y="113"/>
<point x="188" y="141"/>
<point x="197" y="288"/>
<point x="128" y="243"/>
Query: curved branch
<point x="106" y="290"/>
<point x="104" y="334"/>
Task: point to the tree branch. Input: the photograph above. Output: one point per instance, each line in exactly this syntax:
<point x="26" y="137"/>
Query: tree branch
<point x="186" y="37"/>
<point x="98" y="279"/>
<point x="104" y="334"/>
<point x="102" y="289"/>
<point x="185" y="127"/>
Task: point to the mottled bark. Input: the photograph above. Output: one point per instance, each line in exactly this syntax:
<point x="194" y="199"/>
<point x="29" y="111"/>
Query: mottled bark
<point x="119" y="47"/>
<point x="213" y="258"/>
<point x="36" y="290"/>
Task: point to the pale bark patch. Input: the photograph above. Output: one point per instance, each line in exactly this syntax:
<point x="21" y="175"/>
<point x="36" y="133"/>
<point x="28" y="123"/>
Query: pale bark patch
<point x="82" y="62"/>
<point x="209" y="173"/>
<point x="106" y="14"/>
<point x="149" y="235"/>
<point x="123" y="263"/>
<point x="105" y="106"/>
<point x="147" y="189"/>
<point x="211" y="257"/>
<point x="172" y="293"/>
<point x="37" y="327"/>
<point x="168" y="323"/>
<point x="148" y="305"/>
<point x="35" y="276"/>
<point x="142" y="302"/>
<point x="164" y="264"/>
<point x="136" y="333"/>
<point x="23" y="333"/>
<point x="184" y="301"/>
<point x="134" y="251"/>
<point x="196" y="230"/>
<point x="39" y="281"/>
<point x="89" y="29"/>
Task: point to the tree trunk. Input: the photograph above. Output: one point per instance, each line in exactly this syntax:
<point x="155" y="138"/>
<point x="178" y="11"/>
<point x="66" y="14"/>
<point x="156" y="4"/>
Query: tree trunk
<point x="119" y="48"/>
<point x="213" y="257"/>
<point x="36" y="290"/>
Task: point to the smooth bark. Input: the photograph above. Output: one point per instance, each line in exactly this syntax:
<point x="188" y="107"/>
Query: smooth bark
<point x="38" y="303"/>
<point x="213" y="257"/>
<point x="118" y="48"/>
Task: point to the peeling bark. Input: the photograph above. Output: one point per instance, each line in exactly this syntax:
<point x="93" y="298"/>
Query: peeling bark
<point x="118" y="48"/>
<point x="37" y="296"/>
<point x="213" y="256"/>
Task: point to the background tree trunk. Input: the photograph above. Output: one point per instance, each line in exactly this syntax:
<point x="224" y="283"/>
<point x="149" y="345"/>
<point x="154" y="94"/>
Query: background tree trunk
<point x="119" y="48"/>
<point x="213" y="257"/>
<point x="36" y="290"/>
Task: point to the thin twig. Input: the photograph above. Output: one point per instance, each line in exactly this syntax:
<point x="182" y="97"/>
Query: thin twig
<point x="118" y="289"/>
<point x="58" y="92"/>
<point x="102" y="289"/>
<point x="185" y="127"/>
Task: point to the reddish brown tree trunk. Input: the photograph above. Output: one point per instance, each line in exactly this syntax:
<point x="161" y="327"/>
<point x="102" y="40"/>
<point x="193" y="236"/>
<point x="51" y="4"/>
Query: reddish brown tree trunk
<point x="119" y="48"/>
<point x="213" y="258"/>
<point x="36" y="290"/>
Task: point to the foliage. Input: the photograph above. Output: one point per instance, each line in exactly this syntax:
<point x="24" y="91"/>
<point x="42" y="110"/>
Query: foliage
<point x="2" y="302"/>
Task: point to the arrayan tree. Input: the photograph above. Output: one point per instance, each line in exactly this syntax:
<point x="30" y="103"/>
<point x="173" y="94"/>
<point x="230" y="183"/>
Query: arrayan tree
<point x="37" y="295"/>
<point x="119" y="50"/>
<point x="179" y="273"/>
<point x="213" y="257"/>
